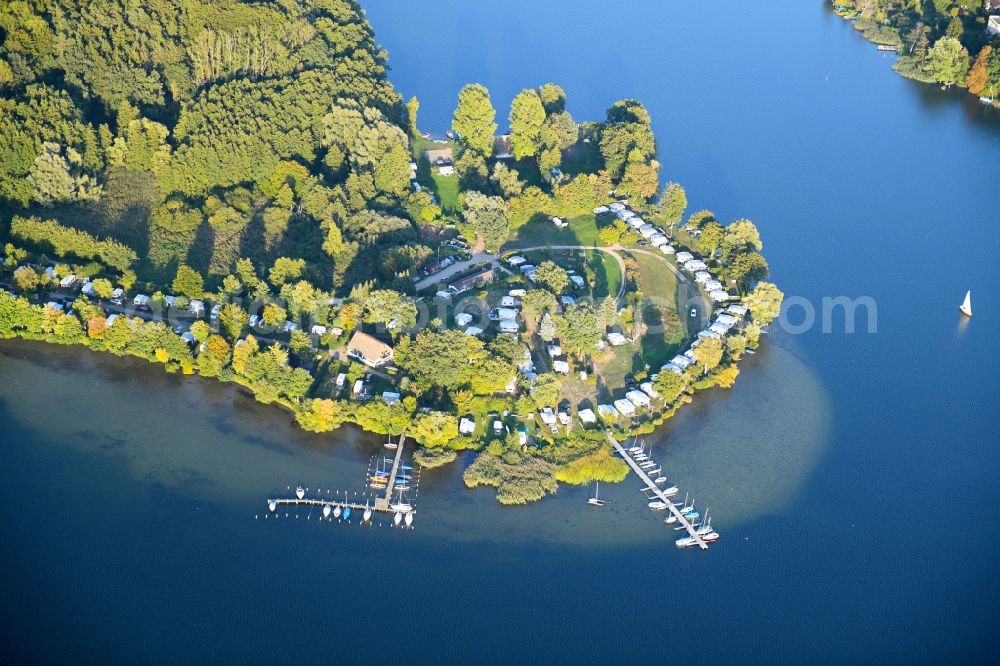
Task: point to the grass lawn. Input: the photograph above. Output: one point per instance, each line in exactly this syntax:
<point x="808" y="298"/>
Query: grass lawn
<point x="582" y="230"/>
<point x="608" y="272"/>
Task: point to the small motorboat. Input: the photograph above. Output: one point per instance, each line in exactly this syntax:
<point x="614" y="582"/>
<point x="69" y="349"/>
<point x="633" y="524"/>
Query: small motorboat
<point x="327" y="509"/>
<point x="347" y="512"/>
<point x="402" y="506"/>
<point x="408" y="519"/>
<point x="686" y="542"/>
<point x="710" y="537"/>
<point x="966" y="306"/>
<point x="986" y="100"/>
<point x="657" y="505"/>
<point x="272" y="506"/>
<point x="367" y="514"/>
<point x="337" y="511"/>
<point x="692" y="516"/>
<point x="398" y="518"/>
<point x="300" y="492"/>
<point x="660" y="479"/>
<point x="671" y="491"/>
<point x="671" y="519"/>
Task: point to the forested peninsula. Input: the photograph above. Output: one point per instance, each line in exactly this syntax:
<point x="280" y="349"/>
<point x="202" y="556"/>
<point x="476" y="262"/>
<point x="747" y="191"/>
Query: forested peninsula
<point x="950" y="42"/>
<point x="235" y="190"/>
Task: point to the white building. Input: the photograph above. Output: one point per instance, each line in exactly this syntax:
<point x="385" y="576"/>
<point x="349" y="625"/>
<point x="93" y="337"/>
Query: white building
<point x="509" y="302"/>
<point x="554" y="350"/>
<point x="463" y="319"/>
<point x="506" y="313"/>
<point x="695" y="265"/>
<point x="587" y="416"/>
<point x="561" y="367"/>
<point x="616" y="207"/>
<point x="390" y="397"/>
<point x="617" y="339"/>
<point x="567" y="300"/>
<point x="737" y="310"/>
<point x="341" y="380"/>
<point x="196" y="307"/>
<point x="648" y="389"/>
<point x="516" y="260"/>
<point x="474" y="331"/>
<point x="607" y="411"/>
<point x="718" y="328"/>
<point x="993" y="24"/>
<point x="547" y="415"/>
<point x="577" y="280"/>
<point x="681" y="361"/>
<point x="656" y="240"/>
<point x="636" y="222"/>
<point x="647" y="231"/>
<point x="601" y="210"/>
<point x="517" y="293"/>
<point x="713" y="285"/>
<point x="111" y="319"/>
<point x="466" y="426"/>
<point x="638" y="398"/>
<point x="719" y="296"/>
<point x="667" y="249"/>
<point x="509" y="326"/>
<point x="684" y="257"/>
<point x="318" y="330"/>
<point x="701" y="277"/>
<point x="726" y="320"/>
<point x="625" y="407"/>
<point x="67" y="281"/>
<point x="444" y="295"/>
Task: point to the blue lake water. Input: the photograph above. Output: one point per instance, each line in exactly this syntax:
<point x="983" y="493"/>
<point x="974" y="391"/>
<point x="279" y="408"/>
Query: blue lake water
<point x="852" y="475"/>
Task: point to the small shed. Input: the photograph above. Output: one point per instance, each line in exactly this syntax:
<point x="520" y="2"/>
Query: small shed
<point x="509" y="302"/>
<point x="341" y="380"/>
<point x="509" y="326"/>
<point x="657" y="240"/>
<point x="463" y="319"/>
<point x="684" y="257"/>
<point x="713" y="285"/>
<point x="390" y="397"/>
<point x="719" y="296"/>
<point x="737" y="310"/>
<point x="474" y="331"/>
<point x="516" y="260"/>
<point x="718" y="328"/>
<point x="466" y="426"/>
<point x="318" y="330"/>
<point x="607" y="411"/>
<point x="701" y="277"/>
<point x="561" y="367"/>
<point x="554" y="350"/>
<point x="587" y="416"/>
<point x="649" y="389"/>
<point x="667" y="249"/>
<point x="577" y="280"/>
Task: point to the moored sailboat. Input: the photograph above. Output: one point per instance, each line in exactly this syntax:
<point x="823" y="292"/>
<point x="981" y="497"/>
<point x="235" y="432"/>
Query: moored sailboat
<point x="596" y="499"/>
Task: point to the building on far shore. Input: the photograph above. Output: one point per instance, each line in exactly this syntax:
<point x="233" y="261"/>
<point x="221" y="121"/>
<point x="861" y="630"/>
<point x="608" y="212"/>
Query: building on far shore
<point x="369" y="350"/>
<point x="993" y="25"/>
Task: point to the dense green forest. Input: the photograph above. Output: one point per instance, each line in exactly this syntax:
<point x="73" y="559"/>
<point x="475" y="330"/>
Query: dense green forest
<point x="201" y="132"/>
<point x="940" y="41"/>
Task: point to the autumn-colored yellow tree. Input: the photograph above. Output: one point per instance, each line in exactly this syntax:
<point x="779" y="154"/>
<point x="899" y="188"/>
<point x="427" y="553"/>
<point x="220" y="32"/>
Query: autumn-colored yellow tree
<point x="979" y="76"/>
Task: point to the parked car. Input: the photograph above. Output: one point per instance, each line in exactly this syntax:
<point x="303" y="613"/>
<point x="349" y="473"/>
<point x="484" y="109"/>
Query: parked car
<point x="694" y="312"/>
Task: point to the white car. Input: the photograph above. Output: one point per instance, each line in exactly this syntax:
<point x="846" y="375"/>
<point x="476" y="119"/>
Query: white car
<point x="694" y="312"/>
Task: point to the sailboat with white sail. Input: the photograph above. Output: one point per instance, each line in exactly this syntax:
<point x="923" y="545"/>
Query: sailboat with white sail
<point x="966" y="306"/>
<point x="596" y="499"/>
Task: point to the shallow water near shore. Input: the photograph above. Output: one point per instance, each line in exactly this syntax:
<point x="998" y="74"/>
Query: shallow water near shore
<point x="128" y="496"/>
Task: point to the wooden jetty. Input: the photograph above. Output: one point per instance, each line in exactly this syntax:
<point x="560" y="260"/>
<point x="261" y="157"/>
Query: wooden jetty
<point x="651" y="485"/>
<point x="382" y="503"/>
